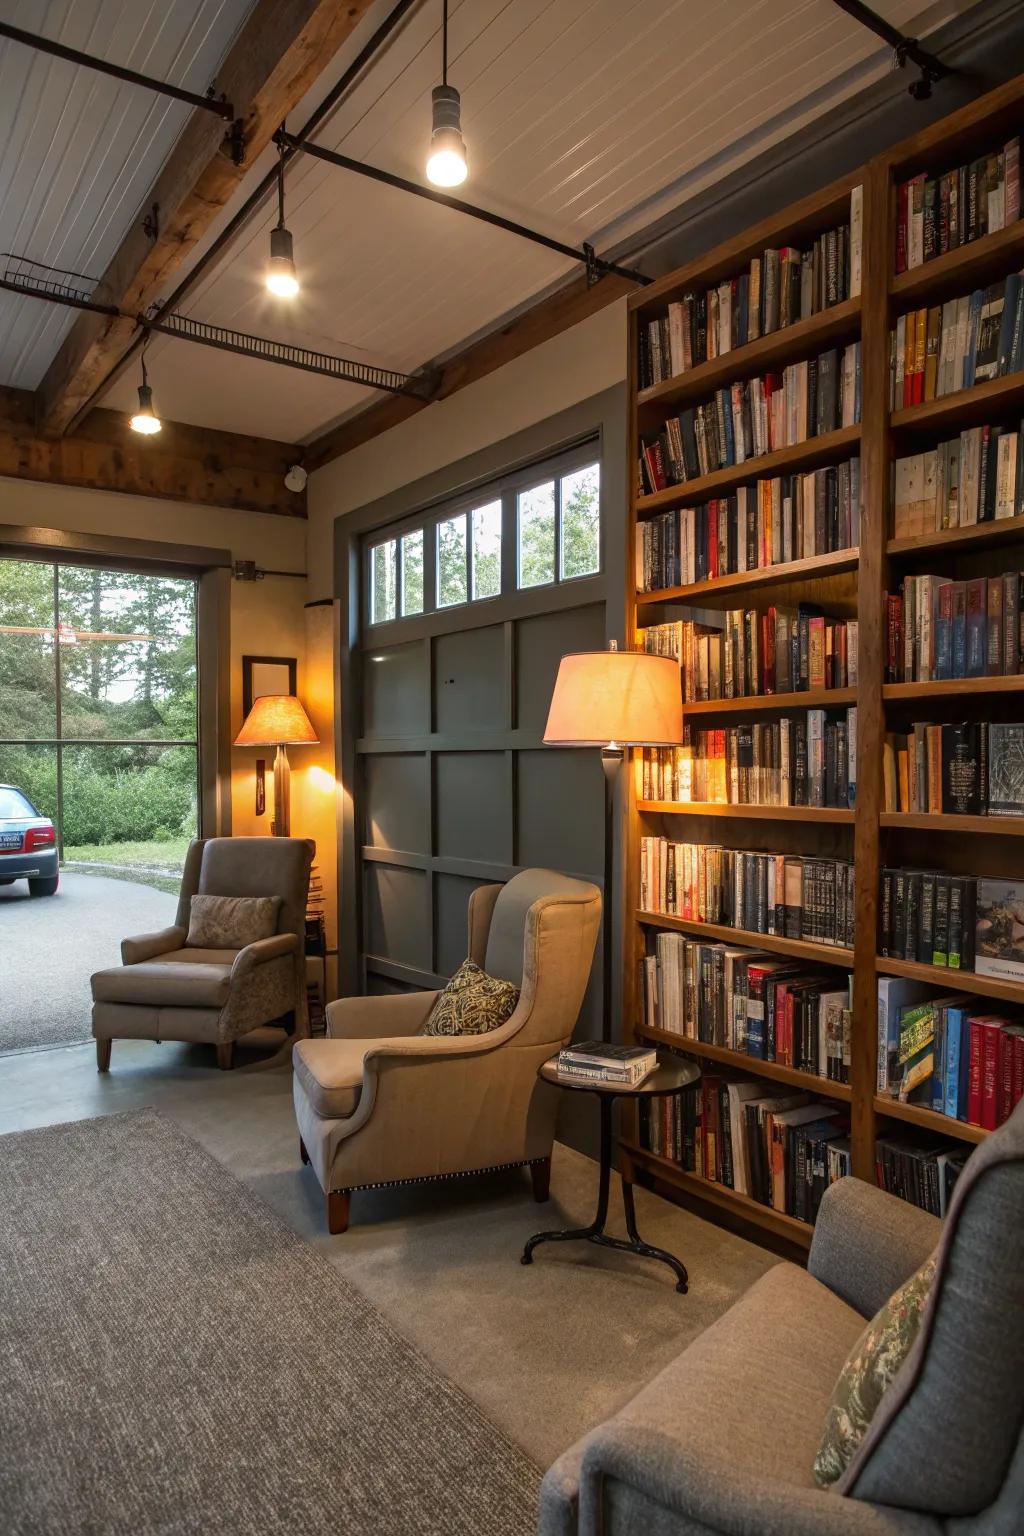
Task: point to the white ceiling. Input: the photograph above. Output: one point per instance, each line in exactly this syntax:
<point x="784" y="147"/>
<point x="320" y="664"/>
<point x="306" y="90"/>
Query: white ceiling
<point x="584" y="118"/>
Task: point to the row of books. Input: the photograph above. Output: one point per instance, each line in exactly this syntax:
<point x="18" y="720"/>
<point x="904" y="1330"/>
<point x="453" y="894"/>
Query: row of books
<point x="967" y="768"/>
<point x="790" y="895"/>
<point x="752" y="417"/>
<point x="747" y="654"/>
<point x="977" y="477"/>
<point x="809" y="758"/>
<point x="922" y="1171"/>
<point x="774" y="521"/>
<point x="936" y="214"/>
<point x="952" y="346"/>
<point x="753" y="1003"/>
<point x="956" y="1055"/>
<point x="781" y="1149"/>
<point x="939" y="629"/>
<point x="961" y="922"/>
<point x="780" y="287"/>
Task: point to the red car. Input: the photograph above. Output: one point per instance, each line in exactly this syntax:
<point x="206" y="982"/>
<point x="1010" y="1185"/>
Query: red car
<point x="28" y="844"/>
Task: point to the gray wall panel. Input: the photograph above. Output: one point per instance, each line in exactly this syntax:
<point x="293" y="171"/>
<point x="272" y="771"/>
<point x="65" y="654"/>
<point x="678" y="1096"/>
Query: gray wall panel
<point x="473" y="807"/>
<point x="396" y="801"/>
<point x="469" y="683"/>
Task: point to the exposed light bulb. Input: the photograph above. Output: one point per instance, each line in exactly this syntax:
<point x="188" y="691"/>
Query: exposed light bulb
<point x="282" y="279"/>
<point x="446" y="163"/>
<point x="145" y="419"/>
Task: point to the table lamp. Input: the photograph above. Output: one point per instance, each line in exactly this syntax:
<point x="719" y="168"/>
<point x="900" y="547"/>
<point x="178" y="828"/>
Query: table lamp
<point x="614" y="699"/>
<point x="278" y="720"/>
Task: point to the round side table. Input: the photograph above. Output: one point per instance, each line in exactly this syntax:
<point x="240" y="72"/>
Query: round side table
<point x="670" y="1077"/>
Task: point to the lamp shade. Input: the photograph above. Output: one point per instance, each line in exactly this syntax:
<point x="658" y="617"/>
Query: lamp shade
<point x="623" y="697"/>
<point x="277" y="720"/>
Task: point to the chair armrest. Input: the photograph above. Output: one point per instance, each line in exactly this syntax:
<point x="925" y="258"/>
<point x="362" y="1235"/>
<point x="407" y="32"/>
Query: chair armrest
<point x="376" y="1018"/>
<point x="868" y="1242"/>
<point x="262" y="950"/>
<point x="143" y="946"/>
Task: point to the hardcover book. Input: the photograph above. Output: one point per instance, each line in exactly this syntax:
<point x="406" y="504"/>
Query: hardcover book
<point x="999" y="929"/>
<point x="1005" y="769"/>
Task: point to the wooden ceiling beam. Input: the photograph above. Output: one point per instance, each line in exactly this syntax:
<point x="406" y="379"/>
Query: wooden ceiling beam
<point x="279" y="53"/>
<point x="553" y="315"/>
<point x="181" y="463"/>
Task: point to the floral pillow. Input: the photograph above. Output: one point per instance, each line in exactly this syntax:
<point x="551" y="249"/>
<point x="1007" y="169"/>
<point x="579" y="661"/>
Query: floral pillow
<point x="870" y="1368"/>
<point x="472" y="1003"/>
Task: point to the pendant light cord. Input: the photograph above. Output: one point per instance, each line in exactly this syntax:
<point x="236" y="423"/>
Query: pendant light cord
<point x="145" y="344"/>
<point x="280" y="184"/>
<point x="444" y="43"/>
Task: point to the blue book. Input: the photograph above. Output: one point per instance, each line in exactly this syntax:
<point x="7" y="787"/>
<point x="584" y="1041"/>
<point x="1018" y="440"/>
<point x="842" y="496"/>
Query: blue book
<point x="971" y="355"/>
<point x="959" y="646"/>
<point x="725" y="395"/>
<point x="943" y="646"/>
<point x="954" y="1032"/>
<point x="963" y="1069"/>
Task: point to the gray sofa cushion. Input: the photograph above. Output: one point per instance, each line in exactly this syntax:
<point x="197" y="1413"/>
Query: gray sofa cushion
<point x="167" y="982"/>
<point x="970" y="1351"/>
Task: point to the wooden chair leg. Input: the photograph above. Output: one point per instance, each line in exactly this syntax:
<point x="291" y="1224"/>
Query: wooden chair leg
<point x="540" y="1173"/>
<point x="302" y="1151"/>
<point x="337" y="1211"/>
<point x="103" y="1055"/>
<point x="226" y="1055"/>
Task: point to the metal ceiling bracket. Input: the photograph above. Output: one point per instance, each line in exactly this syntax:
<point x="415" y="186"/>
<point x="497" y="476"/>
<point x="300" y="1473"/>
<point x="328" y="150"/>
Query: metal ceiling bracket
<point x="235" y="141"/>
<point x="151" y="223"/>
<point x="593" y="272"/>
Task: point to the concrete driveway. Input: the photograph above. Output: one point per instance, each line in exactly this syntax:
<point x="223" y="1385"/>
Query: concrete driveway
<point x="50" y="946"/>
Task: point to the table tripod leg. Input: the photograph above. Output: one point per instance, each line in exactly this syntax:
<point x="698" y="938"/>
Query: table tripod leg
<point x="637" y="1244"/>
<point x="596" y="1227"/>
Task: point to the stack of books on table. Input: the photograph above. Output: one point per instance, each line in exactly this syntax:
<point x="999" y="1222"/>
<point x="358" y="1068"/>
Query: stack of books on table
<point x="597" y="1061"/>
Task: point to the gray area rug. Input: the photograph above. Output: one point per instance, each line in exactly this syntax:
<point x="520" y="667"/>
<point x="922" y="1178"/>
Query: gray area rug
<point x="174" y="1359"/>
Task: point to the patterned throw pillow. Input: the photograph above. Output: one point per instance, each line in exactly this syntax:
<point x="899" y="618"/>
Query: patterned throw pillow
<point x="870" y="1368"/>
<point x="231" y="922"/>
<point x="472" y="1003"/>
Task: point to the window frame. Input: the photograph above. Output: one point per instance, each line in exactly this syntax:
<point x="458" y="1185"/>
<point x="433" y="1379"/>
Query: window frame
<point x="505" y="489"/>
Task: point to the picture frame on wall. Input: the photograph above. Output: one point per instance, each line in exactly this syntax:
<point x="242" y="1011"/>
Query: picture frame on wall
<point x="267" y="674"/>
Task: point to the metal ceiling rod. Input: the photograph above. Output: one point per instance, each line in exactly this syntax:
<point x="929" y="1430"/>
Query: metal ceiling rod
<point x="905" y="48"/>
<point x="222" y="108"/>
<point x="596" y="265"/>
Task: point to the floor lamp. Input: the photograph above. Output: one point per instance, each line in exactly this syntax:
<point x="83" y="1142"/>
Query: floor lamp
<point x="278" y="720"/>
<point x="614" y="699"/>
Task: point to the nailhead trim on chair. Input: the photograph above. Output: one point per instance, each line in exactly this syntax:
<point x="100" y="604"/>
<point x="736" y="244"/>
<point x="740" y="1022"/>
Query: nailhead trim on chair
<point x="432" y="1178"/>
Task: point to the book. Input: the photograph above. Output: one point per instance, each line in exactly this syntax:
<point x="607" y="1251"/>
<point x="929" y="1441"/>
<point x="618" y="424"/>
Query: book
<point x="999" y="928"/>
<point x="603" y="1061"/>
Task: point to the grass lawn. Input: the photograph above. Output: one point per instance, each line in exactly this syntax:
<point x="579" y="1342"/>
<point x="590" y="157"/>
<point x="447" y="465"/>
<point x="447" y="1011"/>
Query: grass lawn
<point x="154" y="863"/>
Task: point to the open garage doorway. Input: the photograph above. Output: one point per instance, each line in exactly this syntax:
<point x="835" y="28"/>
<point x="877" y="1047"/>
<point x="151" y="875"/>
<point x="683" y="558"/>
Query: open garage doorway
<point x="99" y="779"/>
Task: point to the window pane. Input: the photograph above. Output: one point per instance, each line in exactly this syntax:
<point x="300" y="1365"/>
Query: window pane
<point x="487" y="550"/>
<point x="451" y="561"/>
<point x="382" y="582"/>
<point x="581" y="522"/>
<point x="28" y="682"/>
<point x="412" y="572"/>
<point x="537" y="535"/>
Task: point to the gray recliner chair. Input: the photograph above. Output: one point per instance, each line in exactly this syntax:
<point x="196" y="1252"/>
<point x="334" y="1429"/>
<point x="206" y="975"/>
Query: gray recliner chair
<point x="722" y="1442"/>
<point x="165" y="990"/>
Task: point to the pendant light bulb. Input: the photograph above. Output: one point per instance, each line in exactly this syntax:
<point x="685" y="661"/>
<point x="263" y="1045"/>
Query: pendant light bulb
<point x="145" y="421"/>
<point x="446" y="162"/>
<point x="282" y="280"/>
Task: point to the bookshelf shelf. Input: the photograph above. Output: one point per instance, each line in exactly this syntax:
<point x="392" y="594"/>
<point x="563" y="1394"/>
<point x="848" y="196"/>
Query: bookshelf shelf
<point x="719" y="1194"/>
<point x="763" y="703"/>
<point x="752" y="1065"/>
<point x="955" y="687"/>
<point x="967" y="982"/>
<point x="960" y="270"/>
<point x="1007" y="530"/>
<point x="826" y="813"/>
<point x="988" y="826"/>
<point x="928" y="1120"/>
<point x="814" y="451"/>
<point x="776" y="944"/>
<point x="801" y="339"/>
<point x="963" y="407"/>
<point x="765" y="576"/>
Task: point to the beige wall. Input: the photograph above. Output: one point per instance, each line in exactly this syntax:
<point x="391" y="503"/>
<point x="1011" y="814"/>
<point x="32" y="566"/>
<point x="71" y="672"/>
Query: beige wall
<point x="568" y="368"/>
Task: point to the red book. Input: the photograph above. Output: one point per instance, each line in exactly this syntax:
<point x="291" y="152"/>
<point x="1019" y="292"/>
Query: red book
<point x="1015" y="1038"/>
<point x="713" y="570"/>
<point x="974" y="1064"/>
<point x="710" y="1087"/>
<point x="768" y="651"/>
<point x="990" y="1030"/>
<point x="1004" y="1090"/>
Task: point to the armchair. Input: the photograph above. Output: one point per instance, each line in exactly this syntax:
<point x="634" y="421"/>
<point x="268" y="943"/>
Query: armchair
<point x="723" y="1441"/>
<point x="379" y="1103"/>
<point x="165" y="990"/>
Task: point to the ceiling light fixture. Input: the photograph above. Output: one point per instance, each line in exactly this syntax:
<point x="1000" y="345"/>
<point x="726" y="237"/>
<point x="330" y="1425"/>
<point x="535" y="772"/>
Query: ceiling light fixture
<point x="446" y="163"/>
<point x="282" y="279"/>
<point x="146" y="421"/>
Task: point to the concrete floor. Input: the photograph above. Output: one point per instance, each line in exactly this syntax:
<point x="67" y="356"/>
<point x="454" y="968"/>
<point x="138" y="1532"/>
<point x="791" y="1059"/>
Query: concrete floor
<point x="546" y="1351"/>
<point x="50" y="946"/>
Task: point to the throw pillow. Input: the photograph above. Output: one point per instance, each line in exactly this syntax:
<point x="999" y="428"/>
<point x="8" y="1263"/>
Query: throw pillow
<point x="870" y="1368"/>
<point x="231" y="922"/>
<point x="472" y="1003"/>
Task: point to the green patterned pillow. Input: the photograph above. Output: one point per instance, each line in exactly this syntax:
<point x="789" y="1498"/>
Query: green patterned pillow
<point x="870" y="1368"/>
<point x="472" y="1003"/>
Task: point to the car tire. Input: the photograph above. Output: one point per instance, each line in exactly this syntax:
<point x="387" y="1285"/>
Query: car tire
<point x="44" y="887"/>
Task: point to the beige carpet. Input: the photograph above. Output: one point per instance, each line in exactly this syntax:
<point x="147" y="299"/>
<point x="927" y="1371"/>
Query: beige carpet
<point x="546" y="1351"/>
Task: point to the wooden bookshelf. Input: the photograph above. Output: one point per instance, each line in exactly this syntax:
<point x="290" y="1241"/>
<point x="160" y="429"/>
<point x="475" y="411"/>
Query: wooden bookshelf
<point x="850" y="583"/>
<point x="774" y="1071"/>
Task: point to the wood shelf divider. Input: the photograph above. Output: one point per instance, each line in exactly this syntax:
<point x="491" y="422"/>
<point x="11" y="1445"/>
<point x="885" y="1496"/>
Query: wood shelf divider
<point x="823" y="449"/>
<point x="928" y="1120"/>
<point x="764" y="576"/>
<point x="776" y="943"/>
<point x="975" y="535"/>
<point x="953" y="687"/>
<point x="988" y="826"/>
<point x="764" y="703"/>
<point x="953" y="980"/>
<point x="826" y="813"/>
<point x="753" y="1065"/>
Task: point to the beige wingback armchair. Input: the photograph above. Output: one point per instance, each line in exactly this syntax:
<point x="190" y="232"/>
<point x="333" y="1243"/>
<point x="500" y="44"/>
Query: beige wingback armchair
<point x="379" y="1103"/>
<point x="165" y="990"/>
